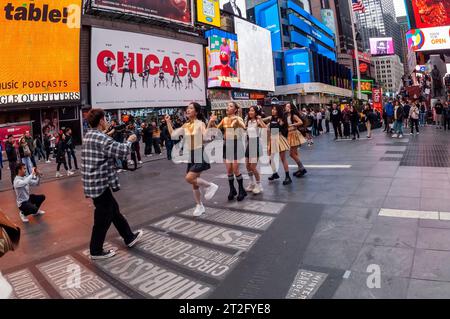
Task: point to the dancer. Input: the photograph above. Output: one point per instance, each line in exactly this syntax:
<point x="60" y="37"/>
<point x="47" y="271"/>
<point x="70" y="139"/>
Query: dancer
<point x="126" y="69"/>
<point x="253" y="150"/>
<point x="61" y="148"/>
<point x="176" y="77"/>
<point x="194" y="131"/>
<point x="145" y="76"/>
<point x="295" y="138"/>
<point x="278" y="142"/>
<point x="233" y="147"/>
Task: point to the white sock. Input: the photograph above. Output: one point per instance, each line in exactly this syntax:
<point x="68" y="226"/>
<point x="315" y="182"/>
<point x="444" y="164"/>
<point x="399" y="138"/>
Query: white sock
<point x="252" y="178"/>
<point x="202" y="183"/>
<point x="197" y="196"/>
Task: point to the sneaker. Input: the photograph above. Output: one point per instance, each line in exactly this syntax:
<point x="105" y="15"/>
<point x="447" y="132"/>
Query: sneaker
<point x="394" y="135"/>
<point x="48" y="162"/>
<point x="137" y="236"/>
<point x="23" y="217"/>
<point x="211" y="191"/>
<point x="39" y="212"/>
<point x="250" y="187"/>
<point x="199" y="210"/>
<point x="257" y="189"/>
<point x="400" y="136"/>
<point x="58" y="174"/>
<point x="104" y="255"/>
<point x="119" y="170"/>
<point x="140" y="162"/>
<point x="70" y="173"/>
<point x="411" y="133"/>
<point x="417" y="133"/>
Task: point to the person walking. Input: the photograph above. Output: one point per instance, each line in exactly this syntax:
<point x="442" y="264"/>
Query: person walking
<point x="446" y="116"/>
<point x="169" y="142"/>
<point x="11" y="154"/>
<point x="30" y="143"/>
<point x="61" y="148"/>
<point x="294" y="137"/>
<point x="147" y="138"/>
<point x="39" y="148"/>
<point x="369" y="120"/>
<point x="398" y="120"/>
<point x="354" y="121"/>
<point x="327" y="119"/>
<point x="438" y="107"/>
<point x="28" y="204"/>
<point x="99" y="178"/>
<point x="346" y="121"/>
<point x="406" y="109"/>
<point x="25" y="153"/>
<point x="137" y="130"/>
<point x="414" y="118"/>
<point x="389" y="111"/>
<point x="47" y="147"/>
<point x="423" y="113"/>
<point x="336" y="118"/>
<point x="156" y="138"/>
<point x="70" y="144"/>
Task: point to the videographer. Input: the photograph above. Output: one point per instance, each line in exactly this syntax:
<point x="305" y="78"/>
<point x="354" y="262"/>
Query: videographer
<point x="99" y="178"/>
<point x="117" y="131"/>
<point x="29" y="204"/>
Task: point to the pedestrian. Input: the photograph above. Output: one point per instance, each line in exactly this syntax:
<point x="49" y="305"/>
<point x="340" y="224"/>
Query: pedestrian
<point x="233" y="148"/>
<point x="389" y="111"/>
<point x="11" y="154"/>
<point x="39" y="148"/>
<point x="169" y="141"/>
<point x="70" y="144"/>
<point x="423" y="113"/>
<point x="346" y="121"/>
<point x="327" y="119"/>
<point x="29" y="140"/>
<point x="295" y="138"/>
<point x="354" y="121"/>
<point x="25" y="153"/>
<point x="398" y="120"/>
<point x="414" y="118"/>
<point x="369" y="120"/>
<point x="137" y="144"/>
<point x="99" y="178"/>
<point x="446" y="116"/>
<point x="28" y="204"/>
<point x="47" y="147"/>
<point x="406" y="109"/>
<point x="315" y="126"/>
<point x="253" y="149"/>
<point x="336" y="118"/>
<point x="438" y="107"/>
<point x="156" y="138"/>
<point x="147" y="138"/>
<point x="61" y="149"/>
<point x="194" y="131"/>
<point x="319" y="119"/>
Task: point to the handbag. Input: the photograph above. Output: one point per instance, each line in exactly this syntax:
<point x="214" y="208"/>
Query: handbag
<point x="9" y="234"/>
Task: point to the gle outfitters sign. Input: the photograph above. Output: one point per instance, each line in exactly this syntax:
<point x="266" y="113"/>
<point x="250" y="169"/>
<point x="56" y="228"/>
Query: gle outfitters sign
<point x="39" y="59"/>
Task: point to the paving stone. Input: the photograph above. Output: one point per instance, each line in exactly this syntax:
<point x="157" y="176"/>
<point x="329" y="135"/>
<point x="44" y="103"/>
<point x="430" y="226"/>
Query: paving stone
<point x="392" y="235"/>
<point x="331" y="253"/>
<point x="431" y="265"/>
<point x="433" y="238"/>
<point x="428" y="289"/>
<point x="401" y="202"/>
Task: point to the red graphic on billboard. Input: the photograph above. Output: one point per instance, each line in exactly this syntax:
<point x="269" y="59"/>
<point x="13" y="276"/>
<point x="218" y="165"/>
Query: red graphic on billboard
<point x="16" y="131"/>
<point x="431" y="13"/>
<point x="377" y="97"/>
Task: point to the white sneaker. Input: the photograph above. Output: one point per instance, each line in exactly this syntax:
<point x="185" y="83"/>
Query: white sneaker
<point x="39" y="212"/>
<point x="411" y="133"/>
<point x="250" y="187"/>
<point x="119" y="171"/>
<point x="394" y="135"/>
<point x="211" y="191"/>
<point x="70" y="173"/>
<point x="417" y="133"/>
<point x="258" y="189"/>
<point x="48" y="162"/>
<point x="199" y="210"/>
<point x="23" y="218"/>
<point x="400" y="136"/>
<point x="58" y="174"/>
<point x="140" y="162"/>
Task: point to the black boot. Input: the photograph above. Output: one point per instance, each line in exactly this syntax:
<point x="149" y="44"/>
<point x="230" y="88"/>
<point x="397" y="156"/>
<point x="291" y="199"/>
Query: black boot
<point x="287" y="180"/>
<point x="242" y="192"/>
<point x="274" y="176"/>
<point x="233" y="191"/>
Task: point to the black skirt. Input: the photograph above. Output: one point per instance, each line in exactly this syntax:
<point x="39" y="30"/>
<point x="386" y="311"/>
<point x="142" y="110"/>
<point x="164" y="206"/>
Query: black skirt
<point x="236" y="150"/>
<point x="198" y="162"/>
<point x="253" y="149"/>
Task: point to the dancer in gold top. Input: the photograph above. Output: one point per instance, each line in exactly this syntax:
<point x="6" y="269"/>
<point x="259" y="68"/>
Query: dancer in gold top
<point x="295" y="138"/>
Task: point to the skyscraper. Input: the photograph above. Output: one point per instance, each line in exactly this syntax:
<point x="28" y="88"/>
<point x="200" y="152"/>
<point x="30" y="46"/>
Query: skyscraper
<point x="379" y="21"/>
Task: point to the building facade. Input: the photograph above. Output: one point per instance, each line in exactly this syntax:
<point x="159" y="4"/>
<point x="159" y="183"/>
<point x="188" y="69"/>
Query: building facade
<point x="388" y="73"/>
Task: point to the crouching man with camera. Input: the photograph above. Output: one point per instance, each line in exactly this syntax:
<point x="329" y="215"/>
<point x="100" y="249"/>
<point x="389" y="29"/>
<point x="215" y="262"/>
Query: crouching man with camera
<point x="29" y="204"/>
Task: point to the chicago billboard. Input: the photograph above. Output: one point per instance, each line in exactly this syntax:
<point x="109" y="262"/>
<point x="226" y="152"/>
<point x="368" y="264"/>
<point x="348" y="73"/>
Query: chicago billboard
<point x="39" y="59"/>
<point x="130" y="70"/>
<point x="171" y="10"/>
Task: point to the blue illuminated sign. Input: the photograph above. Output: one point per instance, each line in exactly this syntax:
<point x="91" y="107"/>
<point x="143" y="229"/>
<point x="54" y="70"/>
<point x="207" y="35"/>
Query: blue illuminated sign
<point x="297" y="66"/>
<point x="292" y="5"/>
<point x="267" y="16"/>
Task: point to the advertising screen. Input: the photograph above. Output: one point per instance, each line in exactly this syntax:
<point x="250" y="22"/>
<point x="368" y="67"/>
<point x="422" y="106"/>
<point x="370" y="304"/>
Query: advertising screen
<point x="297" y="66"/>
<point x="381" y="46"/>
<point x="222" y="59"/>
<point x="429" y="14"/>
<point x="131" y="70"/>
<point x="235" y="7"/>
<point x="267" y="16"/>
<point x="255" y="56"/>
<point x="172" y="10"/>
<point x="327" y="16"/>
<point x="366" y="85"/>
<point x="428" y="39"/>
<point x="208" y="12"/>
<point x="377" y="97"/>
<point x="39" y="59"/>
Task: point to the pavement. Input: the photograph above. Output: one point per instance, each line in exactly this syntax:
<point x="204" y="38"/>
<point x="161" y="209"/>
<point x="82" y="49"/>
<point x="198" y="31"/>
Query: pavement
<point x="370" y="220"/>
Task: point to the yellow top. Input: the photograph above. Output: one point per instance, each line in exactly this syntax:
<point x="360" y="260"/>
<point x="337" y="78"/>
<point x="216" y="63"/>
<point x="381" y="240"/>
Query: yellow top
<point x="194" y="131"/>
<point x="230" y="125"/>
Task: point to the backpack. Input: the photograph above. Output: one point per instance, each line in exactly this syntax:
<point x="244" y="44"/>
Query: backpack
<point x="307" y="121"/>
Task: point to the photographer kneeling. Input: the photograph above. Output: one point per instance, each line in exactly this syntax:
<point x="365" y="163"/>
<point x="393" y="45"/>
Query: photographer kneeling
<point x="28" y="204"/>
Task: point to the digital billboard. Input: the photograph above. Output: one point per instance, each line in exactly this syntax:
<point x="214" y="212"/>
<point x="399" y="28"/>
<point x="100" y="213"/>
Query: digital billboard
<point x="222" y="59"/>
<point x="366" y="85"/>
<point x="234" y="7"/>
<point x="255" y="56"/>
<point x="268" y="17"/>
<point x="39" y="59"/>
<point x="327" y="16"/>
<point x="381" y="46"/>
<point x="297" y="66"/>
<point x="428" y="39"/>
<point x="130" y="70"/>
<point x="208" y="12"/>
<point x="428" y="14"/>
<point x="171" y="10"/>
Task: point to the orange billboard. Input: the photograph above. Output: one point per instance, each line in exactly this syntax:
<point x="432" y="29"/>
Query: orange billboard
<point x="39" y="56"/>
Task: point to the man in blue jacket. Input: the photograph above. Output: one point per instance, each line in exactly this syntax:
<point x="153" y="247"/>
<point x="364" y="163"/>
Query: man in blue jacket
<point x="389" y="111"/>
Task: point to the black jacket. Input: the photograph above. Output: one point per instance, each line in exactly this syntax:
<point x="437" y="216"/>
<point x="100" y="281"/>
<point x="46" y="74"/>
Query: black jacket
<point x="10" y="152"/>
<point x="147" y="134"/>
<point x="61" y="151"/>
<point x="336" y="116"/>
<point x="354" y="117"/>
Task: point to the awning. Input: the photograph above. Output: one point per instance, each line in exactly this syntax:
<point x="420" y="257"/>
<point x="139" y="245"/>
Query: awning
<point x="312" y="88"/>
<point x="222" y="105"/>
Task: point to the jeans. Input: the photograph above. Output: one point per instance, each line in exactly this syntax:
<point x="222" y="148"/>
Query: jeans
<point x="70" y="155"/>
<point x="414" y="122"/>
<point x="169" y="147"/>
<point x="39" y="152"/>
<point x="422" y="116"/>
<point x="439" y="120"/>
<point x="398" y="127"/>
<point x="12" y="168"/>
<point x="137" y="148"/>
<point x="28" y="164"/>
<point x="33" y="204"/>
<point x="59" y="166"/>
<point x="327" y="126"/>
<point x="337" y="129"/>
<point x="106" y="212"/>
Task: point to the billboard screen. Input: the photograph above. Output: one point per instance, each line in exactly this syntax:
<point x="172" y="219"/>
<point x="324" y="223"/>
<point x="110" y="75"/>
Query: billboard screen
<point x="267" y="16"/>
<point x="381" y="46"/>
<point x="39" y="59"/>
<point x="256" y="73"/>
<point x="297" y="66"/>
<point x="234" y="7"/>
<point x="428" y="39"/>
<point x="222" y="59"/>
<point x="429" y="14"/>
<point x="171" y="10"/>
<point x="327" y="16"/>
<point x="130" y="70"/>
<point x="208" y="12"/>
